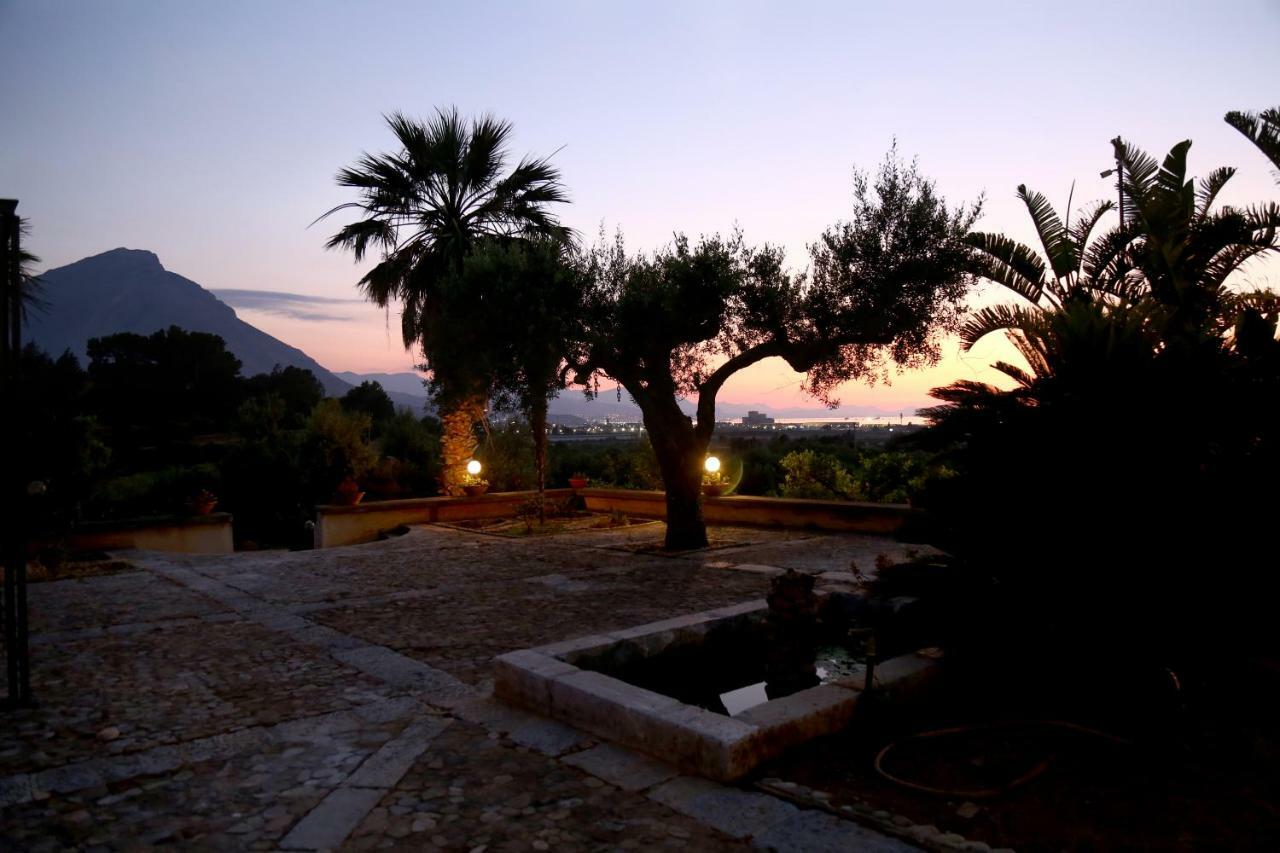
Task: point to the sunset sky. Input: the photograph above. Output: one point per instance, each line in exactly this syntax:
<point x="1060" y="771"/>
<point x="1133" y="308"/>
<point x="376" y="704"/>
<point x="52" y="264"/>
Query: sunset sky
<point x="210" y="133"/>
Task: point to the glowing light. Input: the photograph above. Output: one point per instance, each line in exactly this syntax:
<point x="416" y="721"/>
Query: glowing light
<point x="712" y="465"/>
<point x="473" y="467"/>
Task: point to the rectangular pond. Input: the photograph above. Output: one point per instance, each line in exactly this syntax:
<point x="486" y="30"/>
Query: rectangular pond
<point x="692" y="690"/>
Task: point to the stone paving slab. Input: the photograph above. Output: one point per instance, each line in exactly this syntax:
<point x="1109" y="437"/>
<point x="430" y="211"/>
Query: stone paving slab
<point x="819" y="832"/>
<point x="622" y="768"/>
<point x="475" y="789"/>
<point x="736" y="813"/>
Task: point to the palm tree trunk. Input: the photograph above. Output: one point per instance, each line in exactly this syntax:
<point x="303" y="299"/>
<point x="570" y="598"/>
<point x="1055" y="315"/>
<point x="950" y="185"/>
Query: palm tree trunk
<point x="458" y="441"/>
<point x="538" y="423"/>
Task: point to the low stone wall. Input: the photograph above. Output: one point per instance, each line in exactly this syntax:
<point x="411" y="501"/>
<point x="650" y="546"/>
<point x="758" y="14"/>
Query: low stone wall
<point x="765" y="512"/>
<point x="351" y="525"/>
<point x="199" y="534"/>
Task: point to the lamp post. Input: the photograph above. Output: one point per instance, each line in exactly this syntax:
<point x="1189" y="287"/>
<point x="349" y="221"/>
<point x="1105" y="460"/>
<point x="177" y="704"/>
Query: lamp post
<point x="12" y="545"/>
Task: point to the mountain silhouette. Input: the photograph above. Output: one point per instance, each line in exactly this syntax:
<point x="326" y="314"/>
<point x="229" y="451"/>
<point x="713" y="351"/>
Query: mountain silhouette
<point x="128" y="290"/>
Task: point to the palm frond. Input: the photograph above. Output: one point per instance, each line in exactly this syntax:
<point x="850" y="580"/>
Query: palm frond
<point x="1263" y="130"/>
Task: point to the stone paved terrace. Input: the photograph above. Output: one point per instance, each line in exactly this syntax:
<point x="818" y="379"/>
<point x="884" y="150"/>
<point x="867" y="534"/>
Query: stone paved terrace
<point x="341" y="699"/>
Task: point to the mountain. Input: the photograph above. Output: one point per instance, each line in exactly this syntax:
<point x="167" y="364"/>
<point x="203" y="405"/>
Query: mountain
<point x="127" y="290"/>
<point x="408" y="384"/>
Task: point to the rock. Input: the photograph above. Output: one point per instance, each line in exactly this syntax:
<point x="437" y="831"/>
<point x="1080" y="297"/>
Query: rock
<point x="968" y="811"/>
<point x="110" y="733"/>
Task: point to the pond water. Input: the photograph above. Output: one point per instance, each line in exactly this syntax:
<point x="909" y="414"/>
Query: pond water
<point x="726" y="672"/>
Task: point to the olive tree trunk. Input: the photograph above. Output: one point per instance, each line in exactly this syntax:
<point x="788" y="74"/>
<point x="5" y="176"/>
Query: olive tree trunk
<point x="680" y="452"/>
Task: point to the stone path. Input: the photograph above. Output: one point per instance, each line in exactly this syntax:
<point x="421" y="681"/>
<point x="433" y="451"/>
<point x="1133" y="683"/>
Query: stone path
<point x="340" y="699"/>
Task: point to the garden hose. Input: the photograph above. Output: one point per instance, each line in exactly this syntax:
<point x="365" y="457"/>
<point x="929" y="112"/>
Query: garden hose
<point x="982" y="793"/>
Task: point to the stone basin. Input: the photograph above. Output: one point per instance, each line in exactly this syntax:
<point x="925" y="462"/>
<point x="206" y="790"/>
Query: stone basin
<point x="571" y="681"/>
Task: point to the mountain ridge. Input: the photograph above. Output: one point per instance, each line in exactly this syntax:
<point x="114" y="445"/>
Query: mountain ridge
<point x="129" y="290"/>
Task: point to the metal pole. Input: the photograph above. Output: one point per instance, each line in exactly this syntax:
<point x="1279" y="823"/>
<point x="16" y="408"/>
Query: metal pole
<point x="17" y="663"/>
<point x="1115" y="143"/>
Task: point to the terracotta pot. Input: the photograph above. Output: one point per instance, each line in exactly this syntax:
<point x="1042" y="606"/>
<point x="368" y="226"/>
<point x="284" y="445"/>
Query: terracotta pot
<point x="475" y="491"/>
<point x="203" y="507"/>
<point x="578" y="482"/>
<point x="350" y="498"/>
<point x="714" y="490"/>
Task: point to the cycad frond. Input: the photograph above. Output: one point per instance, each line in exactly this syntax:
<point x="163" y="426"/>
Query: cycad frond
<point x="1087" y="219"/>
<point x="1108" y="260"/>
<point x="1210" y="186"/>
<point x="1058" y="247"/>
<point x="1140" y="170"/>
<point x="1009" y="263"/>
<point x="995" y="318"/>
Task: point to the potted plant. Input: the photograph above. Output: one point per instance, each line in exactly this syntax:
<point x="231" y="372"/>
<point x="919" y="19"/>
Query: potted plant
<point x="474" y="485"/>
<point x="578" y="480"/>
<point x="714" y="483"/>
<point x="348" y="491"/>
<point x="202" y="502"/>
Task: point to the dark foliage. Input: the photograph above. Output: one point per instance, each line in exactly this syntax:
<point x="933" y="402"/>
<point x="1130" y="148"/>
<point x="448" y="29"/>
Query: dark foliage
<point x="368" y="398"/>
<point x="297" y="389"/>
<point x="1118" y="496"/>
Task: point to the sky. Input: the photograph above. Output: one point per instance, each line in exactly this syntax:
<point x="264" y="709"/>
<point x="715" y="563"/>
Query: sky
<point x="210" y="133"/>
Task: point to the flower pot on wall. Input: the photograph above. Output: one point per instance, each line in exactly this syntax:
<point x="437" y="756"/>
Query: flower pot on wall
<point x="348" y="493"/>
<point x="476" y="490"/>
<point x="578" y="482"/>
<point x="714" y="490"/>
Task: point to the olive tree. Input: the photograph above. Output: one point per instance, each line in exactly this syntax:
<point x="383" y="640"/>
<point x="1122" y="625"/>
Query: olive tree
<point x="677" y="323"/>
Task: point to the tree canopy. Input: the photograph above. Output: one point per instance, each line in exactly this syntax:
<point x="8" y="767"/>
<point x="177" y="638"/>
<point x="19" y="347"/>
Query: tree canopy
<point x="882" y="289"/>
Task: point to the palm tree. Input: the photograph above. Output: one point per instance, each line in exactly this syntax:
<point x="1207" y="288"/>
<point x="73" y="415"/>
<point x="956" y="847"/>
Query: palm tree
<point x="425" y="207"/>
<point x="1263" y="130"/>
<point x="21" y="290"/>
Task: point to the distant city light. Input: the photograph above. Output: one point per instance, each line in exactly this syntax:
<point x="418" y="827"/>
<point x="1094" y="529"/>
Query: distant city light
<point x="712" y="465"/>
<point x="473" y="467"/>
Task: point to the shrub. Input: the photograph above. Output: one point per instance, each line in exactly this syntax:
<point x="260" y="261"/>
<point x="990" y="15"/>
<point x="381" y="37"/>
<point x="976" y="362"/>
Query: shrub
<point x="816" y="475"/>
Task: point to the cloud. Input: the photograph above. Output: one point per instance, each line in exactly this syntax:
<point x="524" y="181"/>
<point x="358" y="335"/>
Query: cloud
<point x="299" y="306"/>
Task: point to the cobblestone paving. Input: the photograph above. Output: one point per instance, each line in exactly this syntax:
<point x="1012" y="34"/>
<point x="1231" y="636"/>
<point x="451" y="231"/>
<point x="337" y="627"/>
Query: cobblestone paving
<point x="116" y="694"/>
<point x="105" y="601"/>
<point x="334" y="698"/>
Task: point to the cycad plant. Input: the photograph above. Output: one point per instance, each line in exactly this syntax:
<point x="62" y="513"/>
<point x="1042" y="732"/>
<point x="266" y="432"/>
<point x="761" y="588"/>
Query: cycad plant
<point x="1173" y="253"/>
<point x="1175" y="247"/>
<point x="424" y="208"/>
